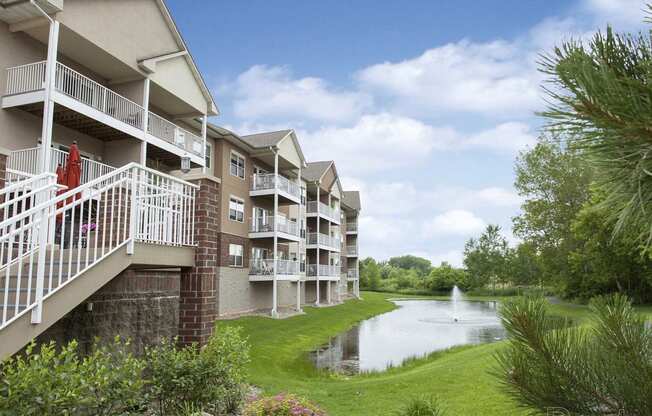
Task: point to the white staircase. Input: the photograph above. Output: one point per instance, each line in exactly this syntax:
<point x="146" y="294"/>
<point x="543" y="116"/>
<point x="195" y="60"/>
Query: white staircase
<point x="56" y="250"/>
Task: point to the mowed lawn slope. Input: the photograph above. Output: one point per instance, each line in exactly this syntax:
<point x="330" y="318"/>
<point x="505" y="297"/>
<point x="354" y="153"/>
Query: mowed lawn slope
<point x="461" y="378"/>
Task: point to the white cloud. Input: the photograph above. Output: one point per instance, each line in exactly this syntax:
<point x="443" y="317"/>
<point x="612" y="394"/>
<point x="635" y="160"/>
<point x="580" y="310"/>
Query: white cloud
<point x="499" y="197"/>
<point x="455" y="222"/>
<point x="509" y="137"/>
<point x="264" y="91"/>
<point x="491" y="78"/>
<point x="453" y="257"/>
<point x="625" y="13"/>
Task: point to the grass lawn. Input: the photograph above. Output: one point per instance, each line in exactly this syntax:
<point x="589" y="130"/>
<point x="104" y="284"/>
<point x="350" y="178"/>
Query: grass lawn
<point x="460" y="377"/>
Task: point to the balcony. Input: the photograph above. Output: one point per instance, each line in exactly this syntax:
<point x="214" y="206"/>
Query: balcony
<point x="77" y="92"/>
<point x="284" y="228"/>
<point x="266" y="184"/>
<point x="352" y="274"/>
<point x="326" y="272"/>
<point x="262" y="270"/>
<point x="323" y="241"/>
<point x="314" y="208"/>
<point x="24" y="162"/>
<point x="352" y="251"/>
<point x="351" y="227"/>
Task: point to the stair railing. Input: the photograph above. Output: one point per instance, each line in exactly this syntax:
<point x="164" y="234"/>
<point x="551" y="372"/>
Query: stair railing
<point x="50" y="243"/>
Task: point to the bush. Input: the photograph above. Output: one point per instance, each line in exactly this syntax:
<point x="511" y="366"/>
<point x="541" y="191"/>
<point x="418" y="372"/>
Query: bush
<point x="110" y="381"/>
<point x="422" y="406"/>
<point x="282" y="405"/>
<point x="107" y="382"/>
<point x="210" y="379"/>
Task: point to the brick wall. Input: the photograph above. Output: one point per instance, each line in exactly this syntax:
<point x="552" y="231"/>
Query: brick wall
<point x="198" y="295"/>
<point x="224" y="240"/>
<point x="142" y="305"/>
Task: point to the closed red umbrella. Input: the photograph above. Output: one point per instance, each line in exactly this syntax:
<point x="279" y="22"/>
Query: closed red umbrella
<point x="73" y="171"/>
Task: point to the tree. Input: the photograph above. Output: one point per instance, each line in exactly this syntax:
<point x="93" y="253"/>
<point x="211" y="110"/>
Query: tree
<point x="445" y="277"/>
<point x="603" y="263"/>
<point x="485" y="258"/>
<point x="524" y="265"/>
<point x="408" y="262"/>
<point x="600" y="99"/>
<point x="554" y="184"/>
<point x="369" y="274"/>
<point x="604" y="368"/>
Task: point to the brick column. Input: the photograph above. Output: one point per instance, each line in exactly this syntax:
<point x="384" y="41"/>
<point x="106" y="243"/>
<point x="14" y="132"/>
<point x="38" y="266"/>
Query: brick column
<point x="198" y="296"/>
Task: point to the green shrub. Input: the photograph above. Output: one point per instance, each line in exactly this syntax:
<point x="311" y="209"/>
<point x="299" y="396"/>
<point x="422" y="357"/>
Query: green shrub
<point x="210" y="378"/>
<point x="47" y="382"/>
<point x="282" y="405"/>
<point x="422" y="406"/>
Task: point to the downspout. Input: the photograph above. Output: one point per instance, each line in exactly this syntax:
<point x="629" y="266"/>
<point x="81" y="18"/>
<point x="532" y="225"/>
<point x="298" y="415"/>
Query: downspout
<point x="48" y="104"/>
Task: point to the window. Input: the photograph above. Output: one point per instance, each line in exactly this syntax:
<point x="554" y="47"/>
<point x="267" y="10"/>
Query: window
<point x="236" y="209"/>
<point x="237" y="165"/>
<point x="236" y="258"/>
<point x="209" y="155"/>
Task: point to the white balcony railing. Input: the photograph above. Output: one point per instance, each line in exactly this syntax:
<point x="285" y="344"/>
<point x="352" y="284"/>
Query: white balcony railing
<point x="31" y="77"/>
<point x="265" y="267"/>
<point x="352" y="250"/>
<point x="324" y="240"/>
<point x="159" y="127"/>
<point x="324" y="270"/>
<point x="27" y="161"/>
<point x="352" y="226"/>
<point x="352" y="273"/>
<point x="26" y="78"/>
<point x="282" y="224"/>
<point x="267" y="181"/>
<point x="315" y="207"/>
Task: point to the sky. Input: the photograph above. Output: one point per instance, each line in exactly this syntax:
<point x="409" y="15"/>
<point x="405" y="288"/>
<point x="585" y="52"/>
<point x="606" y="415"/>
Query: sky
<point x="423" y="105"/>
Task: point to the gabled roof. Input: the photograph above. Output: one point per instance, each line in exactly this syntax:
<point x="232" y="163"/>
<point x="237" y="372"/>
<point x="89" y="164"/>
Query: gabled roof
<point x="191" y="62"/>
<point x="352" y="200"/>
<point x="262" y="140"/>
<point x="314" y="171"/>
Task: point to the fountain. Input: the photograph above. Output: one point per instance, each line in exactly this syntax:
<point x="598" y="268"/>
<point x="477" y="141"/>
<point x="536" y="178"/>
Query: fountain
<point x="456" y="297"/>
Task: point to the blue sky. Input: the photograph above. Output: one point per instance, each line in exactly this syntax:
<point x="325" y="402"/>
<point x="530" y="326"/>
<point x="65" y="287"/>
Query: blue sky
<point x="423" y="105"/>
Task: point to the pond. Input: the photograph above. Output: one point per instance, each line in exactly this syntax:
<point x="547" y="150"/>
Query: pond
<point x="415" y="329"/>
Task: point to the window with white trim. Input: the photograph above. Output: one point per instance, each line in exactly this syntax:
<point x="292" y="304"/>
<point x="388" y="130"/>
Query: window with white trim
<point x="236" y="209"/>
<point x="237" y="165"/>
<point x="236" y="258"/>
<point x="208" y="157"/>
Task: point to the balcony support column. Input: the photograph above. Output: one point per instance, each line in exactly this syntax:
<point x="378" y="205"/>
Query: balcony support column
<point x="48" y="102"/>
<point x="274" y="281"/>
<point x="143" y="144"/>
<point x="298" y="295"/>
<point x="318" y="254"/>
<point x="328" y="292"/>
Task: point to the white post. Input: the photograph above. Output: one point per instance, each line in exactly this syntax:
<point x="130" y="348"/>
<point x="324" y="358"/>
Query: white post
<point x="328" y="292"/>
<point x="298" y="295"/>
<point x="143" y="144"/>
<point x="133" y="218"/>
<point x="302" y="245"/>
<point x="43" y="233"/>
<point x="48" y="102"/>
<point x="275" y="222"/>
<point x="204" y="127"/>
<point x="318" y="235"/>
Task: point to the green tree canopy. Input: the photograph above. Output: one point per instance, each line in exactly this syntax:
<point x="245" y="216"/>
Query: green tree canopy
<point x="485" y="258"/>
<point x="408" y="262"/>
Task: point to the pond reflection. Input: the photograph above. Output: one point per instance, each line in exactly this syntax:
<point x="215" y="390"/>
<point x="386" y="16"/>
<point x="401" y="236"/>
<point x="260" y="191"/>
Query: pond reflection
<point x="415" y="329"/>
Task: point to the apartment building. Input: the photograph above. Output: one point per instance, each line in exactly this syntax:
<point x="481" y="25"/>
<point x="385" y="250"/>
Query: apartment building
<point x="174" y="222"/>
<point x="350" y="264"/>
